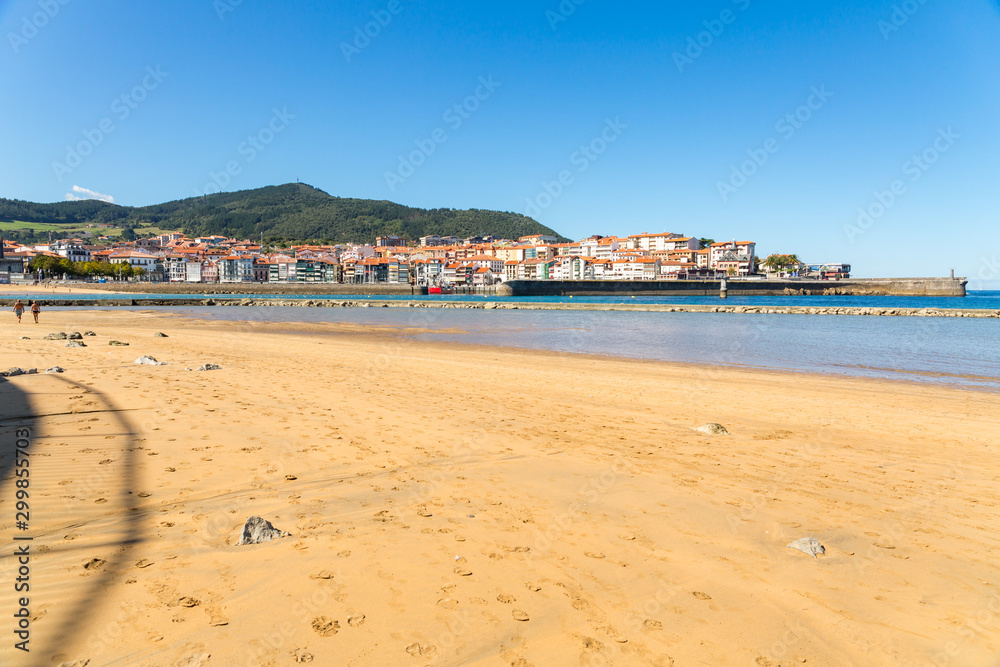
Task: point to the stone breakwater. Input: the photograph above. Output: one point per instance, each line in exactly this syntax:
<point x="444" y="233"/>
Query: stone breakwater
<point x="500" y="305"/>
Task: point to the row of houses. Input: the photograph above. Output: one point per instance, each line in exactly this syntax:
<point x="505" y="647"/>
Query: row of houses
<point x="176" y="258"/>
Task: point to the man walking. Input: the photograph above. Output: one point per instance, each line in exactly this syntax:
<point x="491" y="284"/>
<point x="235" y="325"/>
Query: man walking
<point x="35" y="309"/>
<point x="18" y="310"/>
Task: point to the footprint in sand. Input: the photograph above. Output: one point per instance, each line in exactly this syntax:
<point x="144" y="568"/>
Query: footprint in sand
<point x="324" y="627"/>
<point x="416" y="649"/>
<point x="594" y="554"/>
<point x="356" y="621"/>
<point x="701" y="596"/>
<point x="301" y="655"/>
<point x="325" y="574"/>
<point x="533" y="587"/>
<point x="142" y="564"/>
<point x="520" y="615"/>
<point x="651" y="624"/>
<point x="506" y="599"/>
<point x="94" y="564"/>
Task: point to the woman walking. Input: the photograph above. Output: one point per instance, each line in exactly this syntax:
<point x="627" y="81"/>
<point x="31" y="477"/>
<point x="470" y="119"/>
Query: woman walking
<point x="35" y="309"/>
<point x="18" y="310"/>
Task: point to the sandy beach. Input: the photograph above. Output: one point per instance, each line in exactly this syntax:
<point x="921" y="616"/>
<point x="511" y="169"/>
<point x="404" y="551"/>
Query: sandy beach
<point x="451" y="504"/>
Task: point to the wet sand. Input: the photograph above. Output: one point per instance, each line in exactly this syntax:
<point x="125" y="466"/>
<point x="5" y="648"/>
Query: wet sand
<point x="467" y="505"/>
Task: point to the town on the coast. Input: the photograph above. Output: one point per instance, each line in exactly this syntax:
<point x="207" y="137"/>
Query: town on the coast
<point x="433" y="261"/>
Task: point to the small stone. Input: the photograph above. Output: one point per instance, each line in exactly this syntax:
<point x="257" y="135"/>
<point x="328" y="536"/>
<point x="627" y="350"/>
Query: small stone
<point x="147" y="360"/>
<point x="160" y="335"/>
<point x="76" y="335"/>
<point x="257" y="530"/>
<point x="14" y="372"/>
<point x="89" y="333"/>
<point x="117" y="343"/>
<point x="55" y="369"/>
<point x="76" y="343"/>
<point x="808" y="545"/>
<point x="209" y="367"/>
<point x="56" y="336"/>
<point x="713" y="429"/>
<point x="25" y="338"/>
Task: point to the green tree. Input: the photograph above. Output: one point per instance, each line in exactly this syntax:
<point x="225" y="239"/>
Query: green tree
<point x="777" y="263"/>
<point x="704" y="243"/>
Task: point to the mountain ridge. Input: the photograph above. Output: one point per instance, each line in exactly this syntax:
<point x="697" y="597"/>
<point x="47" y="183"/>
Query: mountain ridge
<point x="291" y="212"/>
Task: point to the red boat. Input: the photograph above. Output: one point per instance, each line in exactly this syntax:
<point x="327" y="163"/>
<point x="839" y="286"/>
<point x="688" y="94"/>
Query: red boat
<point x="440" y="290"/>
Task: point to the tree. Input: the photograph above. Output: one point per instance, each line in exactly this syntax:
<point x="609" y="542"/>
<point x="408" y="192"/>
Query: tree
<point x="704" y="243"/>
<point x="778" y="263"/>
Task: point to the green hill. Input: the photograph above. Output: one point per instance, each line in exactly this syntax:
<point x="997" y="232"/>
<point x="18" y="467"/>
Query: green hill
<point x="292" y="212"/>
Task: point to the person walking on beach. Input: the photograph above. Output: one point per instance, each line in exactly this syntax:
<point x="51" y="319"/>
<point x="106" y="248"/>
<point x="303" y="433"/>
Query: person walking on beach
<point x="18" y="310"/>
<point x="35" y="309"/>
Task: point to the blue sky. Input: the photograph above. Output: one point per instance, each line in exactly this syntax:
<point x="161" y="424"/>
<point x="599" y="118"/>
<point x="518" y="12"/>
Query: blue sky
<point x="672" y="117"/>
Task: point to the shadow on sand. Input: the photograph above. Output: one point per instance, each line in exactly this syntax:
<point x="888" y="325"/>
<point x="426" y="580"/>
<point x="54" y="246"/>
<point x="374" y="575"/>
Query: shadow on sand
<point x="18" y="412"/>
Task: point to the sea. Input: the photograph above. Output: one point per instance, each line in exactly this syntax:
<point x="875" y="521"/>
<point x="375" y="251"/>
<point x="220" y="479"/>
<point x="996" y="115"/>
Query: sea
<point x="961" y="352"/>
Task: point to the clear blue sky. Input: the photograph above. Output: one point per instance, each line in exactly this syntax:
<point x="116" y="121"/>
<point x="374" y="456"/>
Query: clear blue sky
<point x="893" y="85"/>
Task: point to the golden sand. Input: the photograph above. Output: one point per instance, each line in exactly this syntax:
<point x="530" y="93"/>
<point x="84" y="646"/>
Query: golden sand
<point x="463" y="505"/>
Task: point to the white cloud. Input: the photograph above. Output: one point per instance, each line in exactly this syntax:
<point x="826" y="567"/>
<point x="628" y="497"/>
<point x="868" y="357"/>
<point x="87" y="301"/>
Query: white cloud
<point x="87" y="194"/>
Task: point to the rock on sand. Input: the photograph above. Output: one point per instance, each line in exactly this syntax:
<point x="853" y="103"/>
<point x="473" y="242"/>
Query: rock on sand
<point x="257" y="530"/>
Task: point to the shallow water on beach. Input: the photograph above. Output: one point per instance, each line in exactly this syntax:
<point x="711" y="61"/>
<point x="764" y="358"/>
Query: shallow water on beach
<point x="956" y="351"/>
<point x="988" y="300"/>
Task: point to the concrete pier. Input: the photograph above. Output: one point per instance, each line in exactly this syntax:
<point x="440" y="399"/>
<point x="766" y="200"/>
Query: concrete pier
<point x="737" y="287"/>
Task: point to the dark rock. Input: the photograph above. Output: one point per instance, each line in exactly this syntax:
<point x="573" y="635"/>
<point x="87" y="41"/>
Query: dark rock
<point x="76" y="343"/>
<point x="160" y="335"/>
<point x="209" y="367"/>
<point x="117" y="343"/>
<point x="76" y="335"/>
<point x="56" y="336"/>
<point x="89" y="333"/>
<point x="55" y="369"/>
<point x="257" y="530"/>
<point x="13" y="372"/>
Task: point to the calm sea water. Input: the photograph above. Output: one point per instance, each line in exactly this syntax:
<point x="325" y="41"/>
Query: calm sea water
<point x="957" y="351"/>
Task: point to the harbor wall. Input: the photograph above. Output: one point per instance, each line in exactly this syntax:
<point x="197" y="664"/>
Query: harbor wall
<point x="854" y="287"/>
